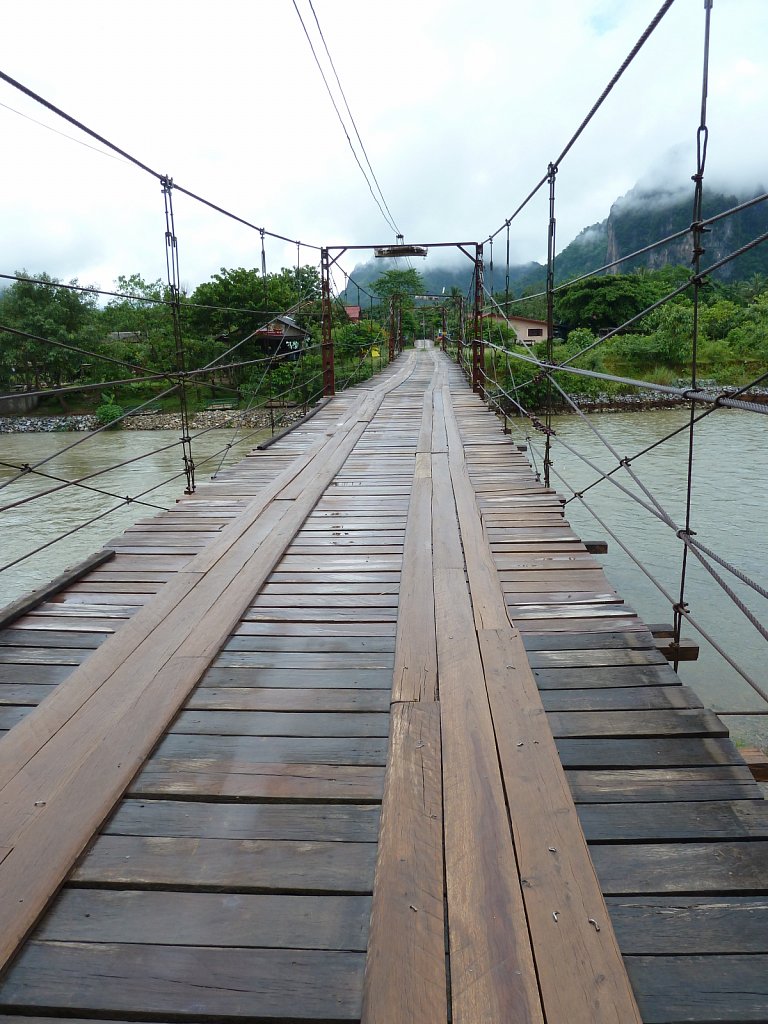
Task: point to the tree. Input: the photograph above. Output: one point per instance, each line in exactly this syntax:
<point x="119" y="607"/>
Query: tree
<point x="603" y="302"/>
<point x="53" y="314"/>
<point x="244" y="298"/>
<point x="400" y="285"/>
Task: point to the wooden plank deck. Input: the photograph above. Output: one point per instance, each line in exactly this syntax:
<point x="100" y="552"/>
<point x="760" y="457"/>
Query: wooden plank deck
<point x="360" y="731"/>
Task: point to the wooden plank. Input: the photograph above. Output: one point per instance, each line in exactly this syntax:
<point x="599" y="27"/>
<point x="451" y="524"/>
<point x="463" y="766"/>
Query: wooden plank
<point x="405" y="975"/>
<point x="717" y="819"/>
<point x="652" y="784"/>
<point x="608" y="640"/>
<point x="578" y="961"/>
<point x="24" y="693"/>
<point x="415" y="667"/>
<point x="356" y="627"/>
<point x="700" y="989"/>
<point x="364" y="750"/>
<point x="304" y="660"/>
<point x="681" y="925"/>
<point x="197" y="982"/>
<point x="625" y="698"/>
<point x="311" y="642"/>
<point x="674" y="752"/>
<point x="205" y="820"/>
<point x="719" y="867"/>
<point x="208" y="919"/>
<point x="492" y="971"/>
<point x="230" y="779"/>
<point x="41" y="638"/>
<point x="584" y="677"/>
<point x="367" y="678"/>
<point x="677" y="722"/>
<point x="594" y="658"/>
<point x="316" y="699"/>
<point x="277" y="723"/>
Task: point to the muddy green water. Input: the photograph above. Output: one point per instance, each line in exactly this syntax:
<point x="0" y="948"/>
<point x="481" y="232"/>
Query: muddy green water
<point x="730" y="515"/>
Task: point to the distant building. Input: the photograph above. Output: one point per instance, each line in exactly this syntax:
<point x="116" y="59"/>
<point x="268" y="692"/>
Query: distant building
<point x="528" y="330"/>
<point x="353" y="312"/>
<point x="281" y="336"/>
<point x="132" y="336"/>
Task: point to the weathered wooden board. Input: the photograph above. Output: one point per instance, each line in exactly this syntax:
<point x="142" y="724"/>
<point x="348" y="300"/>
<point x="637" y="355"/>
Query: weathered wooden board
<point x="585" y="677"/>
<point x="208" y="919"/>
<point x="700" y="989"/>
<point x="627" y="698"/>
<point x="279" y="723"/>
<point x="230" y="779"/>
<point x="197" y="982"/>
<point x="405" y="976"/>
<point x="627" y="752"/>
<point x="366" y="678"/>
<point x="203" y="819"/>
<point x="315" y="699"/>
<point x="720" y="867"/>
<point x="638" y="822"/>
<point x="684" y="925"/>
<point x="651" y="784"/>
<point x="675" y="722"/>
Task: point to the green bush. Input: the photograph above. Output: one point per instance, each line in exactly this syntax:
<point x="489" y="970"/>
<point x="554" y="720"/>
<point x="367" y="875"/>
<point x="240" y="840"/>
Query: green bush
<point x="108" y="412"/>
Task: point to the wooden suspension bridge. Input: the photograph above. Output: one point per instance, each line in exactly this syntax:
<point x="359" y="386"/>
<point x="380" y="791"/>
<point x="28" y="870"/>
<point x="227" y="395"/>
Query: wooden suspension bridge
<point x="361" y="731"/>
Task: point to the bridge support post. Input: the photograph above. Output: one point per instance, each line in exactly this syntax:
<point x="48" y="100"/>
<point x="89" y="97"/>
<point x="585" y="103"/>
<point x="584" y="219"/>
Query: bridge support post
<point x="392" y="328"/>
<point x="478" y="348"/>
<point x="329" y="379"/>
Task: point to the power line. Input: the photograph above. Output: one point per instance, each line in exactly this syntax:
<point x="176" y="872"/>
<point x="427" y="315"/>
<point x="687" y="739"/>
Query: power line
<point x="390" y="223"/>
<point x="56" y="131"/>
<point x="351" y="118"/>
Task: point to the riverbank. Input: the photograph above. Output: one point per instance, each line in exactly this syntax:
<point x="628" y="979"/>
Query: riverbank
<point x="214" y="419"/>
<point x="266" y="419"/>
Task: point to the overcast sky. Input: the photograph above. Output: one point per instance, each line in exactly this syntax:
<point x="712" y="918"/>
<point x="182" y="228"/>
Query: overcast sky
<point x="460" y="106"/>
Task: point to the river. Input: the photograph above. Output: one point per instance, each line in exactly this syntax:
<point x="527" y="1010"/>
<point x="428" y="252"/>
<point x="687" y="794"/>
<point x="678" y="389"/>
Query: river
<point x="730" y="499"/>
<point x="159" y="478"/>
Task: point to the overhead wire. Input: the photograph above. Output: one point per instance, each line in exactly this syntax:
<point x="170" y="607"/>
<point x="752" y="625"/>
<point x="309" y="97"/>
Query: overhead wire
<point x="390" y="223"/>
<point x="352" y="119"/>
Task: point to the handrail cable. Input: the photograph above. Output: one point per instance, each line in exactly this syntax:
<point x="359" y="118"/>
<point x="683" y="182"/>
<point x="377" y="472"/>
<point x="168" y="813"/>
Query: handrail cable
<point x="722" y="399"/>
<point x="186" y="303"/>
<point x="662" y="589"/>
<point x="681" y="536"/>
<point x="75" y="483"/>
<point x="655" y="508"/>
<point x="667" y="437"/>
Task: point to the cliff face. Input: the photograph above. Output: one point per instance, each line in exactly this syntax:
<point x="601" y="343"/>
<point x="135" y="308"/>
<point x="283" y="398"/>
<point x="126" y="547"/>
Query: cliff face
<point x="644" y="215"/>
<point x="637" y="219"/>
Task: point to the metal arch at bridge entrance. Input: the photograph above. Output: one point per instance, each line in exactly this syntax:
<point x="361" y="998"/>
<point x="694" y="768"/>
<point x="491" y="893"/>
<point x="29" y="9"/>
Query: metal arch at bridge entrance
<point x="361" y="731"/>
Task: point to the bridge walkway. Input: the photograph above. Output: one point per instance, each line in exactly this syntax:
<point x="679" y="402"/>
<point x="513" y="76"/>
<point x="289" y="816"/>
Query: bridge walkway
<point x="361" y="731"/>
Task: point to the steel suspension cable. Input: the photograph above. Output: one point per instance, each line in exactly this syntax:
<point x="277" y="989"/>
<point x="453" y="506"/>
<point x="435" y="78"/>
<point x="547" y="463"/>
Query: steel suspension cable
<point x="596" y="106"/>
<point x="131" y="159"/>
<point x="702" y="139"/>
